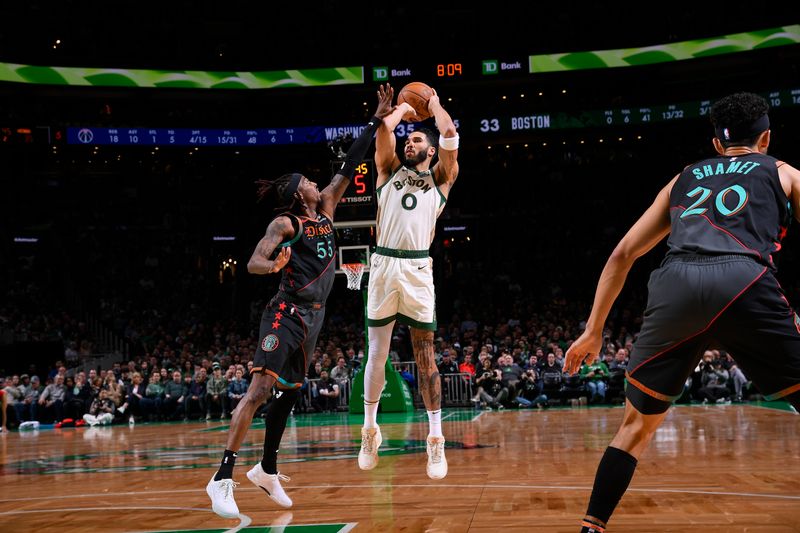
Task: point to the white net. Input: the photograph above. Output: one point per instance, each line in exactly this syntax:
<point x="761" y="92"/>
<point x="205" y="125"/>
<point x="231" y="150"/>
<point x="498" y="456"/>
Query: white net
<point x="354" y="273"/>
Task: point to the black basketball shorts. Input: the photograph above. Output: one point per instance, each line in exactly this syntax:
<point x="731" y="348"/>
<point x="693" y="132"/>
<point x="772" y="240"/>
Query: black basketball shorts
<point x="287" y="337"/>
<point x="696" y="303"/>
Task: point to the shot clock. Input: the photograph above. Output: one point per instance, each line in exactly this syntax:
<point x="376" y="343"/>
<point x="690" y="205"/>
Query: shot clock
<point x="358" y="201"/>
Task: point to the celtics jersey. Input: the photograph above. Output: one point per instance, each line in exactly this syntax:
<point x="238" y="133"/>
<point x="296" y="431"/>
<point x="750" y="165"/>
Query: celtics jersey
<point x="408" y="205"/>
<point x="729" y="205"/>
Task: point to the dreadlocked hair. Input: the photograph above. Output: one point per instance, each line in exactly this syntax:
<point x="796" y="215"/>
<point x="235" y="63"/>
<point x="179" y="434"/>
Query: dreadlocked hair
<point x="275" y="188"/>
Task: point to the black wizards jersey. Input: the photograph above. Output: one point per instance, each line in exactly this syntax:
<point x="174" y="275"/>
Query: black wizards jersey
<point x="308" y="276"/>
<point x="729" y="205"/>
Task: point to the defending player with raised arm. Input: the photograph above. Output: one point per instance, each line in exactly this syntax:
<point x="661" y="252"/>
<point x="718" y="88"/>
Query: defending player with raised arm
<point x="725" y="217"/>
<point x="303" y="234"/>
<point x="411" y="196"/>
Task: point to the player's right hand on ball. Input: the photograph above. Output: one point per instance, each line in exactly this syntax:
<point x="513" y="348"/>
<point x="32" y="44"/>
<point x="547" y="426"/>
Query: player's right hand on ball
<point x="281" y="260"/>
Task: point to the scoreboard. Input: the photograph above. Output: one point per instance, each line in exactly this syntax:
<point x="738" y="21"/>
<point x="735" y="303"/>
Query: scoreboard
<point x="195" y="137"/>
<point x="221" y="137"/>
<point x="529" y="119"/>
<point x="358" y="201"/>
<point x="519" y="118"/>
<point x="452" y="68"/>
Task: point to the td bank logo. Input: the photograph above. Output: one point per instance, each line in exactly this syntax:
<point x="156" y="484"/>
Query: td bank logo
<point x="380" y="73"/>
<point x="489" y="67"/>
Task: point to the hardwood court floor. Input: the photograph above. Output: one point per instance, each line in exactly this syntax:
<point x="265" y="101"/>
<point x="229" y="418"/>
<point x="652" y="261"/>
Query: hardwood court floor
<point x="716" y="468"/>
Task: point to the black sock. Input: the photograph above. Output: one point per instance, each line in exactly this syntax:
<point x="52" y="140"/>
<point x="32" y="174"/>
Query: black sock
<point x="226" y="467"/>
<point x="277" y="415"/>
<point x="613" y="476"/>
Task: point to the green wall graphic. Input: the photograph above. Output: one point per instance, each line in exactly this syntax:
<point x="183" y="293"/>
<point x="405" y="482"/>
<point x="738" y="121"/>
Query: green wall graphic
<point x="630" y="57"/>
<point x="182" y="79"/>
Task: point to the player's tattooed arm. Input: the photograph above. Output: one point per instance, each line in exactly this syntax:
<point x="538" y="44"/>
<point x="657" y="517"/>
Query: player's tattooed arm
<point x="278" y="231"/>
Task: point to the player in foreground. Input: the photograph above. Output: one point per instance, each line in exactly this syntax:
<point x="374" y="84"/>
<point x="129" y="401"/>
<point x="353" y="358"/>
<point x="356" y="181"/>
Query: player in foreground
<point x="725" y="217"/>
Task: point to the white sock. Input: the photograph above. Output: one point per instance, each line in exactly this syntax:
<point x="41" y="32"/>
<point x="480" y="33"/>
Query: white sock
<point x="370" y="414"/>
<point x="375" y="372"/>
<point x="435" y="423"/>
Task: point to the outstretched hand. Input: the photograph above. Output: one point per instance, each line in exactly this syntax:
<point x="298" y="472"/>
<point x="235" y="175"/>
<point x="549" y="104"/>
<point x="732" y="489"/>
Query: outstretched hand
<point x="385" y="97"/>
<point x="280" y="261"/>
<point x="587" y="344"/>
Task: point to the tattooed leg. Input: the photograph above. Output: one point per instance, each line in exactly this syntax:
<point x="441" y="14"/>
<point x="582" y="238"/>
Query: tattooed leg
<point x="430" y="385"/>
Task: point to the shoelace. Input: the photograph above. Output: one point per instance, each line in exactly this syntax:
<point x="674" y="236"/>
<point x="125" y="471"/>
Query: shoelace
<point x="227" y="487"/>
<point x="435" y="451"/>
<point x="367" y="442"/>
<point x="283" y="478"/>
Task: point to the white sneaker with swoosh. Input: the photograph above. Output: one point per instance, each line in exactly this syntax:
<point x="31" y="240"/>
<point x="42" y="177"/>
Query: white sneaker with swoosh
<point x="271" y="484"/>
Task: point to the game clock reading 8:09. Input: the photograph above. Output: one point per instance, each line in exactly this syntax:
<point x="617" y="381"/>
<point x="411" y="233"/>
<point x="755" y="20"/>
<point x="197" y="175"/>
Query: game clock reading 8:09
<point x="449" y="70"/>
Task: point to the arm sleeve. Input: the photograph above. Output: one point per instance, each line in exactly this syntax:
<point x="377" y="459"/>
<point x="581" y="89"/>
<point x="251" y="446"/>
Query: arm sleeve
<point x="359" y="148"/>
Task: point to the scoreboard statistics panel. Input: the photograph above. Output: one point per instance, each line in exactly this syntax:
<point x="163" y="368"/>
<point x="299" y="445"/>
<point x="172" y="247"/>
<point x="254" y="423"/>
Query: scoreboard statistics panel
<point x="521" y="119"/>
<point x="528" y="120"/>
<point x="217" y="137"/>
<point x="195" y="137"/>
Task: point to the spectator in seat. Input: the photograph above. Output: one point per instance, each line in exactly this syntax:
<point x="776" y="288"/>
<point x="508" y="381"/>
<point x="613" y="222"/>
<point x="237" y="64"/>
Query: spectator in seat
<point x="467" y="367"/>
<point x="714" y="382"/>
<point x="31" y="401"/>
<point x="174" y="397"/>
<point x="237" y="388"/>
<point x="52" y="398"/>
<point x="154" y="395"/>
<point x="594" y="373"/>
<point x="447" y="367"/>
<point x="340" y="372"/>
<point x="327" y="398"/>
<point x="217" y="392"/>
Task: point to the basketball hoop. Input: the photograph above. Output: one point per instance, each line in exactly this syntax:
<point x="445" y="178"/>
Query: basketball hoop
<point x="354" y="272"/>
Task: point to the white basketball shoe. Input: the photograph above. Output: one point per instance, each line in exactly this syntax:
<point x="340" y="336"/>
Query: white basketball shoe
<point x="370" y="442"/>
<point x="221" y="494"/>
<point x="271" y="484"/>
<point x="437" y="463"/>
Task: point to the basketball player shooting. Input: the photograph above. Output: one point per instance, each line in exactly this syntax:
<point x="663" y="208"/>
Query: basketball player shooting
<point x="411" y="196"/>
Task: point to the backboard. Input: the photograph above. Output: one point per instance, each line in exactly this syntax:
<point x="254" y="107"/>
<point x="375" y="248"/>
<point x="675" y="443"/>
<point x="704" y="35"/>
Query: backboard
<point x="355" y="241"/>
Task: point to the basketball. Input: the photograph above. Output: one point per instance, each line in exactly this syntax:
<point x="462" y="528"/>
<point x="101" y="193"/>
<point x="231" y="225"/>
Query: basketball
<point x="416" y="94"/>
